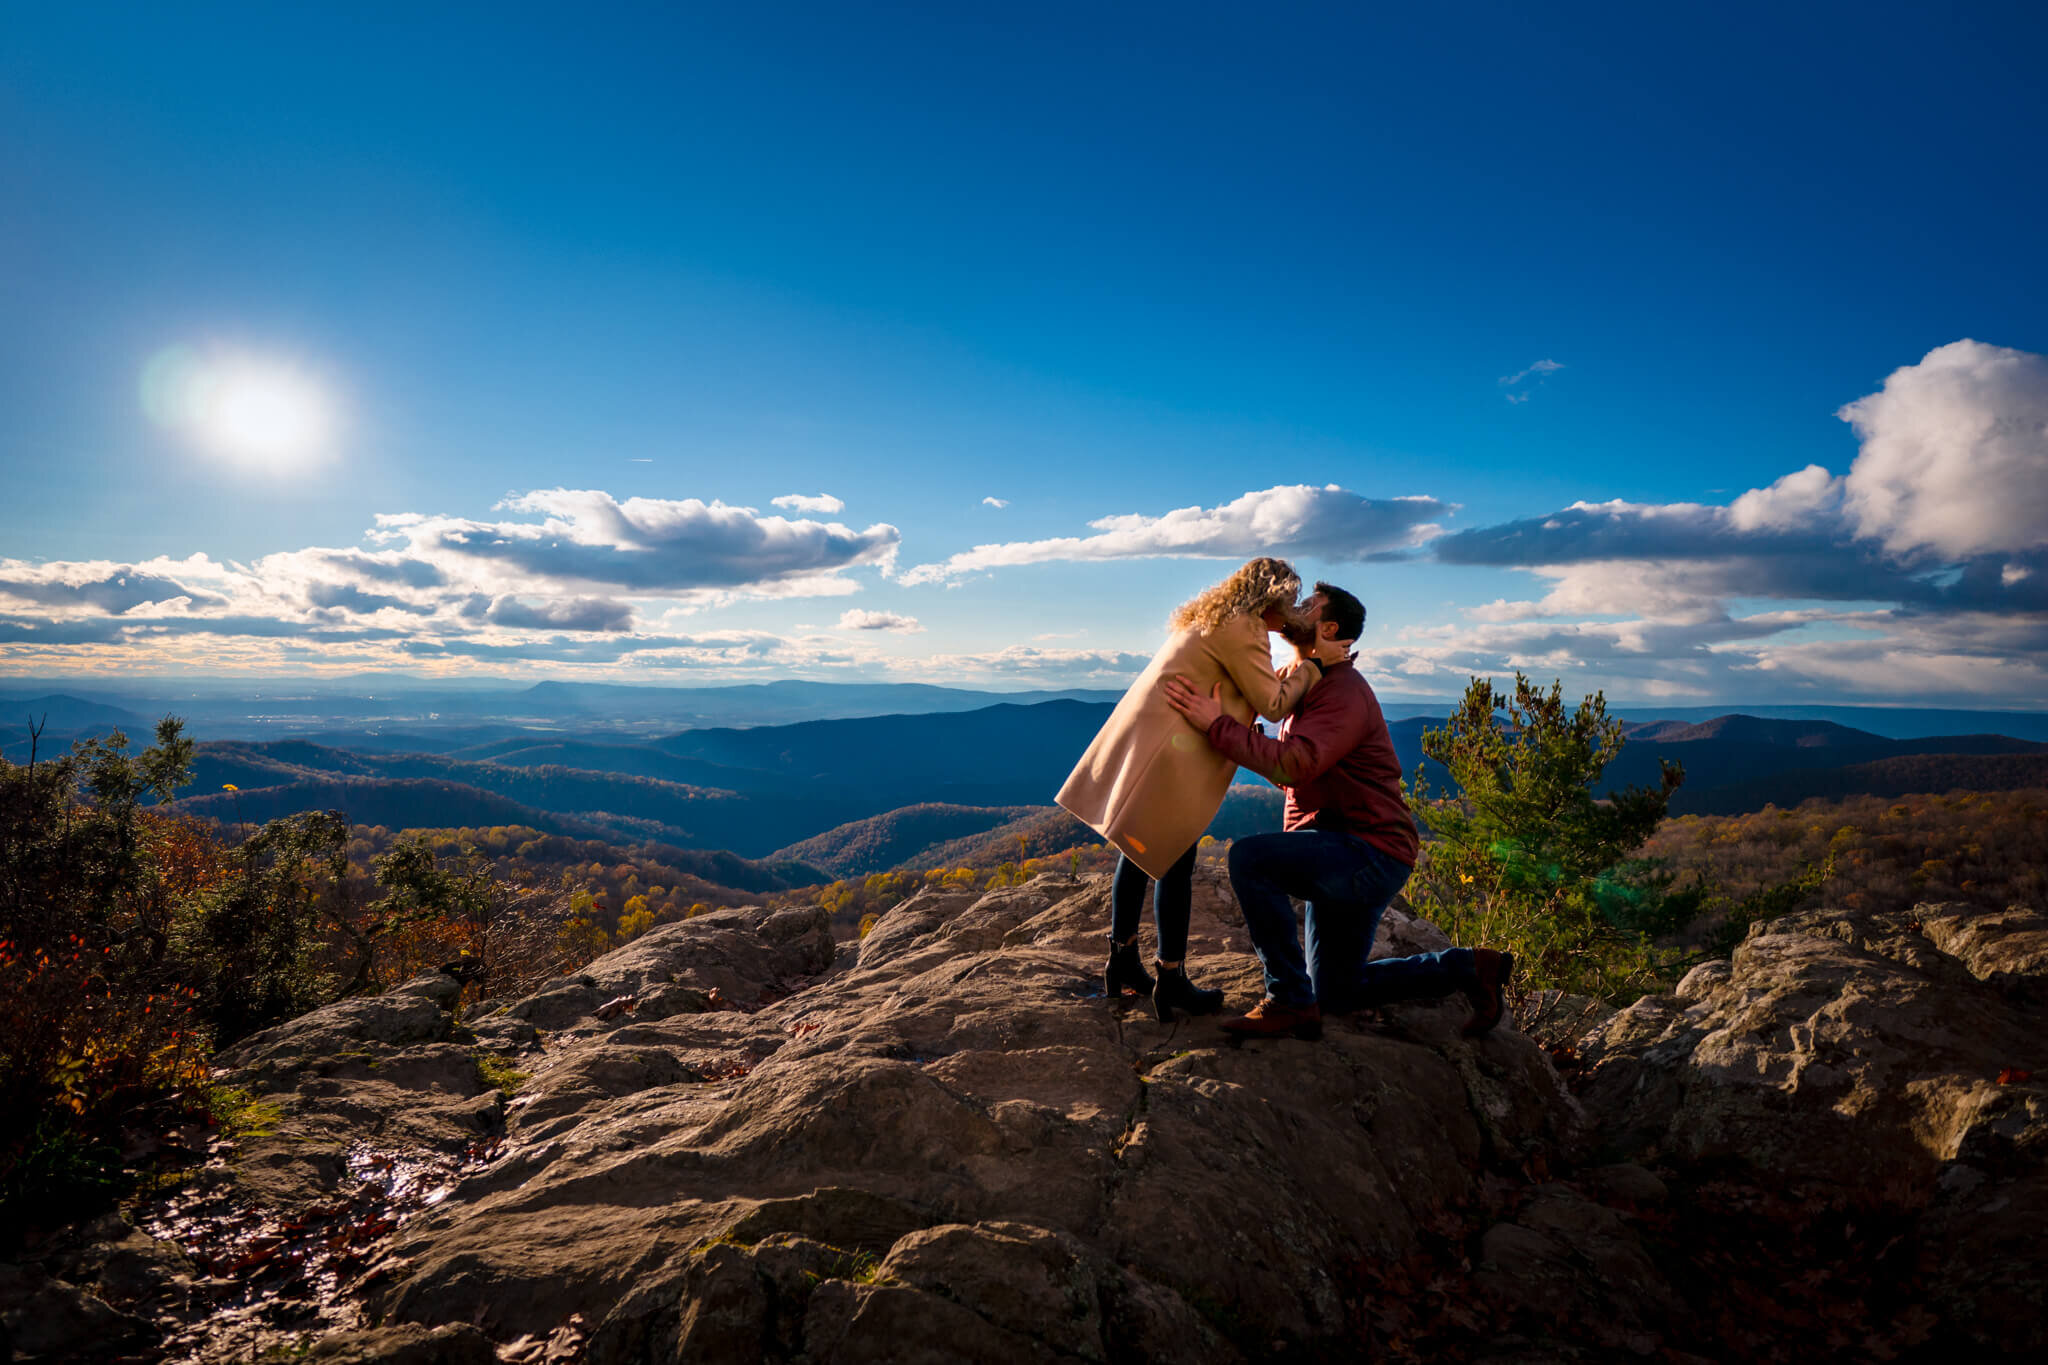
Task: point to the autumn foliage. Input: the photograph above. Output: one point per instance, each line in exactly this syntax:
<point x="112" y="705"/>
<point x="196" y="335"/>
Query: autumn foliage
<point x="1885" y="853"/>
<point x="134" y="943"/>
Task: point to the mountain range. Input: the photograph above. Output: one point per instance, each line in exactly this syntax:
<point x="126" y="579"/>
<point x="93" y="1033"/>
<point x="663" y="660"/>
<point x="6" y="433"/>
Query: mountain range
<point x="954" y="776"/>
<point x="946" y="783"/>
<point x="422" y="715"/>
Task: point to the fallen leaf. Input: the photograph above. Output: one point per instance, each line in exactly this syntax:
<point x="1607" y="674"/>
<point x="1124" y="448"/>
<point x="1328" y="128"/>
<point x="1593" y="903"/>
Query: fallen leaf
<point x="2012" y="1075"/>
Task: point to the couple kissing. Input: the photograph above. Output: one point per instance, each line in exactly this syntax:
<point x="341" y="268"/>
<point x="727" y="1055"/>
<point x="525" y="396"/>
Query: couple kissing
<point x="1156" y="774"/>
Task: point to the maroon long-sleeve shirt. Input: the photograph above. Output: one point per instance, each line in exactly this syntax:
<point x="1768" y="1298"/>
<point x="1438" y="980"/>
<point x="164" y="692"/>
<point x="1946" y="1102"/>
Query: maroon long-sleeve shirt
<point x="1335" y="759"/>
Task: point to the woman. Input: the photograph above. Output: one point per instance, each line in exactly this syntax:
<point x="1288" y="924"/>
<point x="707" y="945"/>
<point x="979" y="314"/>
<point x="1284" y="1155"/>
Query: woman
<point x="1150" y="783"/>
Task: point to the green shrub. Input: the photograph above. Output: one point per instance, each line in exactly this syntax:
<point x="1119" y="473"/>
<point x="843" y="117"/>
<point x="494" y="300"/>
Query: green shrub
<point x="1524" y="857"/>
<point x="251" y="944"/>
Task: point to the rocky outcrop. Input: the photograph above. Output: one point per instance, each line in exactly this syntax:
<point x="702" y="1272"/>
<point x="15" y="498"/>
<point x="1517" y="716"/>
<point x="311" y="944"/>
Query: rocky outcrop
<point x="735" y="1140"/>
<point x="1877" y="1067"/>
<point x="953" y="1144"/>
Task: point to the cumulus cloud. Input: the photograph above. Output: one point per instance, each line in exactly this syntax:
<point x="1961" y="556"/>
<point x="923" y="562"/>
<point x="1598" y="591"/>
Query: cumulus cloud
<point x="1678" y="559"/>
<point x="1955" y="453"/>
<point x="352" y="599"/>
<point x="589" y="539"/>
<point x="1327" y="523"/>
<point x="1932" y="545"/>
<point x="1944" y="508"/>
<point x="564" y="564"/>
<point x="380" y="568"/>
<point x="857" y="619"/>
<point x="1793" y="502"/>
<point x="824" y="504"/>
<point x="561" y="613"/>
<point x="104" y="586"/>
<point x="995" y="502"/>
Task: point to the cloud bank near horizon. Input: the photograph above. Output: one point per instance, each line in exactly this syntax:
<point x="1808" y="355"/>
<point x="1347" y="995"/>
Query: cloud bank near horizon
<point x="1920" y="573"/>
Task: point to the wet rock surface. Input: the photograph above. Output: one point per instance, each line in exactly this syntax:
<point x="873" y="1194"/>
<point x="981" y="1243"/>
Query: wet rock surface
<point x="736" y="1140"/>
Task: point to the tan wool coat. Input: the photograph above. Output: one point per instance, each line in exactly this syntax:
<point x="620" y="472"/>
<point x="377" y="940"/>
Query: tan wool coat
<point x="1150" y="783"/>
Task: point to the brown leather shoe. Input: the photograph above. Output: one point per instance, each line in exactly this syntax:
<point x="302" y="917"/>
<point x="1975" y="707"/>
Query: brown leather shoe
<point x="1271" y="1019"/>
<point x="1489" y="995"/>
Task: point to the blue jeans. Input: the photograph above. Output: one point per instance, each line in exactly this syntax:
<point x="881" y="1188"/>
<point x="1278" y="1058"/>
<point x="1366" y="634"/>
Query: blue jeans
<point x="1173" y="903"/>
<point x="1347" y="884"/>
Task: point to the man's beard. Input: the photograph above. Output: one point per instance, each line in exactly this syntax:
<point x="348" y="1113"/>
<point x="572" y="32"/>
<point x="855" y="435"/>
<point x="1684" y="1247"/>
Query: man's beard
<point x="1300" y="634"/>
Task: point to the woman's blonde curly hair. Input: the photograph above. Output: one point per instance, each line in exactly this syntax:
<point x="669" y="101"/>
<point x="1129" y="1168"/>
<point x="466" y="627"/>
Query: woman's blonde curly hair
<point x="1260" y="584"/>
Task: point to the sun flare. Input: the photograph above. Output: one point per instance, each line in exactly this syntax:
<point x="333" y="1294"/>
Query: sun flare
<point x="248" y="408"/>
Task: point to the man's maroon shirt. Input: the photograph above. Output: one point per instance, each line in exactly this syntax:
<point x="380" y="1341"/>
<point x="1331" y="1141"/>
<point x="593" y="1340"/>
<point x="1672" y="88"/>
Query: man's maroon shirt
<point x="1335" y="760"/>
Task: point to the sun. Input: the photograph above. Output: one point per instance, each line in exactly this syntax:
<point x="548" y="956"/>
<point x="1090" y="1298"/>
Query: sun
<point x="241" y="406"/>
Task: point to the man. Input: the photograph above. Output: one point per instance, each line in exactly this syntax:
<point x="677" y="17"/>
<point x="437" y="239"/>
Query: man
<point x="1347" y="848"/>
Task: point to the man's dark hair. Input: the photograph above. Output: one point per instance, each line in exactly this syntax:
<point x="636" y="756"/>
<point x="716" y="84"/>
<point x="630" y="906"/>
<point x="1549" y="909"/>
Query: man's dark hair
<point x="1347" y="611"/>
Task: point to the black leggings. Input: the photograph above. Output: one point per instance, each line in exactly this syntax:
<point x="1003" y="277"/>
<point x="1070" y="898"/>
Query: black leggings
<point x="1172" y="903"/>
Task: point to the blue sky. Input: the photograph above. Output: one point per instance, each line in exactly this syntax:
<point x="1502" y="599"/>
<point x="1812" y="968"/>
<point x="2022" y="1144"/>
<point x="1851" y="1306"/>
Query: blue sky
<point x="556" y="281"/>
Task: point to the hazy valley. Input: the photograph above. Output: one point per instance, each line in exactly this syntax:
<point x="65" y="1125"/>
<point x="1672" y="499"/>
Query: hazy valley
<point x="821" y="776"/>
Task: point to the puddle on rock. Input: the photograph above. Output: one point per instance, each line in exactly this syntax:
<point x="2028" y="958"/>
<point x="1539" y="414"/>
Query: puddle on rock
<point x="273" y="1277"/>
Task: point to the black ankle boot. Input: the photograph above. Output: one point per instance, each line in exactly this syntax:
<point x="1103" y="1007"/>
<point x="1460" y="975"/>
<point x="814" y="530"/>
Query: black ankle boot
<point x="1125" y="971"/>
<point x="1176" y="992"/>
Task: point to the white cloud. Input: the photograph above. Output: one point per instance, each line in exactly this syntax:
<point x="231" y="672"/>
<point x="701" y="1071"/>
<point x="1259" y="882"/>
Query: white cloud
<point x="995" y="502"/>
<point x="1933" y="544"/>
<point x="824" y="504"/>
<point x="857" y="619"/>
<point x="1955" y="453"/>
<point x="1328" y="523"/>
<point x="1793" y="501"/>
<point x="587" y="539"/>
<point x="91" y="587"/>
<point x="1095" y="666"/>
<point x="1539" y="369"/>
<point x="577" y="568"/>
<point x="574" y="613"/>
<point x="1945" y="508"/>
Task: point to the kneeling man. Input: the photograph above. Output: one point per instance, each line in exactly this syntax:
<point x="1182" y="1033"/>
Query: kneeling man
<point x="1347" y="849"/>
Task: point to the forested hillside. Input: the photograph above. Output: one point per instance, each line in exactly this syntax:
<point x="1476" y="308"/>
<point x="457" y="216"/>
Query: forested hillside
<point x="1983" y="848"/>
<point x="899" y="837"/>
<point x="1903" y="775"/>
<point x="755" y="791"/>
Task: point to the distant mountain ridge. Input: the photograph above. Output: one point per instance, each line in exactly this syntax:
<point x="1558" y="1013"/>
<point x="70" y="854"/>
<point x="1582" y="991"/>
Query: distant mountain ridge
<point x="383" y="789"/>
<point x="61" y="718"/>
<point x="396" y="803"/>
<point x="791" y="700"/>
<point x="372" y="706"/>
<point x="1737" y="758"/>
<point x="895" y="838"/>
<point x="758" y="789"/>
<point x="1900" y="775"/>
